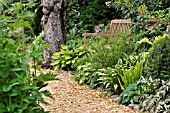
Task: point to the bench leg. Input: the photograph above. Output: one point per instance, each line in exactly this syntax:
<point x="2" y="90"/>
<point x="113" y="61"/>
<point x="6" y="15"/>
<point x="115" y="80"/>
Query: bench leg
<point x="85" y="46"/>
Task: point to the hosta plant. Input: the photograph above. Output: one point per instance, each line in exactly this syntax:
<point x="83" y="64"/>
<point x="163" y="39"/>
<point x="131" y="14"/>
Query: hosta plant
<point x="84" y="74"/>
<point x="65" y="59"/>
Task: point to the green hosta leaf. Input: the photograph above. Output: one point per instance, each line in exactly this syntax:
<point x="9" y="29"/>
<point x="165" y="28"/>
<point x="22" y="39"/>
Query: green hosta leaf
<point x="63" y="61"/>
<point x="55" y="62"/>
<point x="56" y="55"/>
<point x="81" y="53"/>
<point x="64" y="47"/>
<point x="56" y="67"/>
<point x="73" y="61"/>
<point x="146" y="40"/>
<point x="68" y="62"/>
<point x="66" y="52"/>
<point x="67" y="57"/>
<point x="63" y="65"/>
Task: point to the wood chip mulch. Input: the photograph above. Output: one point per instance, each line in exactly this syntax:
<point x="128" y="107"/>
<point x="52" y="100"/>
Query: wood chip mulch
<point x="70" y="97"/>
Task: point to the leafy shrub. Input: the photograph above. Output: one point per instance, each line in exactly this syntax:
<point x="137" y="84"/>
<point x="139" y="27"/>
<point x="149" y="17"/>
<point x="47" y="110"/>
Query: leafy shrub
<point x="130" y="7"/>
<point x="105" y="53"/>
<point x="158" y="63"/>
<point x="20" y="88"/>
<point x="65" y="59"/>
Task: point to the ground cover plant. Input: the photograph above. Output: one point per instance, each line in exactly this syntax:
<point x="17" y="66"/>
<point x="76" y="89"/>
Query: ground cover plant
<point x="65" y="59"/>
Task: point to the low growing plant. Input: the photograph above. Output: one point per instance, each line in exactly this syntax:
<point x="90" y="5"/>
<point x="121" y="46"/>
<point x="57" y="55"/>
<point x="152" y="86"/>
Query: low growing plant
<point x="159" y="100"/>
<point x="84" y="74"/>
<point x="137" y="92"/>
<point x="65" y="59"/>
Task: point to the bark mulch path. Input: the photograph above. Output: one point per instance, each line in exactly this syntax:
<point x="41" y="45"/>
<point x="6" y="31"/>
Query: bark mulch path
<point x="70" y="97"/>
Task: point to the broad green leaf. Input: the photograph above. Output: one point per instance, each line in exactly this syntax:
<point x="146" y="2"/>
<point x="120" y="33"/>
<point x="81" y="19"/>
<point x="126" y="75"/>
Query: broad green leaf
<point x="144" y="40"/>
<point x="68" y="62"/>
<point x="73" y="61"/>
<point x="63" y="65"/>
<point x="67" y="57"/>
<point x="6" y="88"/>
<point x="56" y="67"/>
<point x="64" y="47"/>
<point x="27" y="87"/>
<point x="55" y="62"/>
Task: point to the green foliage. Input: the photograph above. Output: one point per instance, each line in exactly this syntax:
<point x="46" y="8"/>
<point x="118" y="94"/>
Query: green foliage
<point x="18" y="20"/>
<point x="138" y="91"/>
<point x="109" y="78"/>
<point x="65" y="59"/>
<point x="114" y="79"/>
<point x="151" y="94"/>
<point x="131" y="75"/>
<point x="130" y="7"/>
<point x="20" y="88"/>
<point x="96" y="12"/>
<point x="129" y="70"/>
<point x="130" y="95"/>
<point x="150" y="18"/>
<point x="82" y="16"/>
<point x="158" y="63"/>
<point x="36" y="48"/>
<point x="74" y="43"/>
<point x="105" y="53"/>
<point x="84" y="75"/>
<point x="158" y="101"/>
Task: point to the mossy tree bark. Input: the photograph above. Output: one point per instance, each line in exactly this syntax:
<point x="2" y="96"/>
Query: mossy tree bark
<point x="53" y="22"/>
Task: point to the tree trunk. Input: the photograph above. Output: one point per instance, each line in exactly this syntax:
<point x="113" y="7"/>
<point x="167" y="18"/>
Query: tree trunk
<point x="53" y="22"/>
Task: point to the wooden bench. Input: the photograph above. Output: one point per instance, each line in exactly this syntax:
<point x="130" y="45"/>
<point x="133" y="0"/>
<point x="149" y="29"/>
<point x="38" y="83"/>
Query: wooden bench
<point x="117" y="25"/>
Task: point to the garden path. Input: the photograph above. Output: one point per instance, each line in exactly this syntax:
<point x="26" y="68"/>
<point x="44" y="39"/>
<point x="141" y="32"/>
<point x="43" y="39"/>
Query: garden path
<point x="70" y="97"/>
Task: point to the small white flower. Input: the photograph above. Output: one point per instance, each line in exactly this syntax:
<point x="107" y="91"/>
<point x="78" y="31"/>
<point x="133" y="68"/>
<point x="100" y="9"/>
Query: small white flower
<point x="108" y="3"/>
